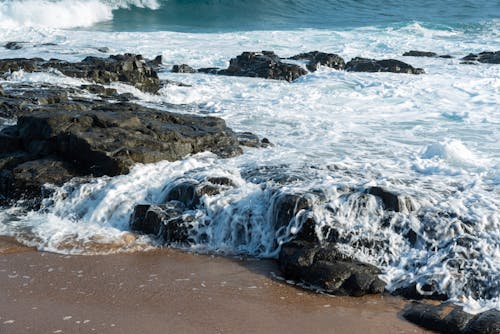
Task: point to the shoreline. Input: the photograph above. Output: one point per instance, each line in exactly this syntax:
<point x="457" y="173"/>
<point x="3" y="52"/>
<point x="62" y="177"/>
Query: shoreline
<point x="168" y="291"/>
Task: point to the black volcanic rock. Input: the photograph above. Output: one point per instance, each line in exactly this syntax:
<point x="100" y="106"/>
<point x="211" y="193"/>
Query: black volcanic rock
<point x="387" y="65"/>
<point x="127" y="68"/>
<point x="325" y="267"/>
<point x="183" y="68"/>
<point x="414" y="53"/>
<point x="265" y="64"/>
<point x="451" y="319"/>
<point x="57" y="137"/>
<point x="317" y="58"/>
<point x="483" y="57"/>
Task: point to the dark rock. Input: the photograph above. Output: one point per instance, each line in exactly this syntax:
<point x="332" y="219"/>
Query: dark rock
<point x="391" y="201"/>
<point x="414" y="53"/>
<point x="286" y="207"/>
<point x="13" y="45"/>
<point x="263" y="64"/>
<point x="165" y="221"/>
<point x="9" y="143"/>
<point x="220" y="180"/>
<point x="164" y="83"/>
<point x="155" y="63"/>
<point x="209" y="70"/>
<point x="185" y="192"/>
<point x="445" y="56"/>
<point x="483" y="57"/>
<point x="127" y="68"/>
<point x="100" y="90"/>
<point x="326" y="268"/>
<point x="183" y="68"/>
<point x="428" y="292"/>
<point x="451" y="319"/>
<point x="387" y="65"/>
<point x="103" y="49"/>
<point x="251" y="140"/>
<point x="1" y="91"/>
<point x="321" y="58"/>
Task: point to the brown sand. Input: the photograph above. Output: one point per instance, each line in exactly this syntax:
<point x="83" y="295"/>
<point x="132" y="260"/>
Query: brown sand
<point x="172" y="292"/>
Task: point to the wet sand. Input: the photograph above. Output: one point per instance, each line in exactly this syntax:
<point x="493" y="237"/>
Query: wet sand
<point x="167" y="291"/>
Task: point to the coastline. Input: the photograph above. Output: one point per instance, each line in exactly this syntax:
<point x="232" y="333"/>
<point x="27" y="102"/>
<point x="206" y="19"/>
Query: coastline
<point x="167" y="291"/>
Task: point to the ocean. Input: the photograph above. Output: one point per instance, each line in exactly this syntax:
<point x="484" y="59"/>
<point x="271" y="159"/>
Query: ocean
<point x="434" y="137"/>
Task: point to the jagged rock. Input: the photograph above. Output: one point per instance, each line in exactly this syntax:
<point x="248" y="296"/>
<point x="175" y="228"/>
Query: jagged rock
<point x="127" y="68"/>
<point x="392" y="201"/>
<point x="13" y="45"/>
<point x="387" y="65"/>
<point x="483" y="57"/>
<point x="251" y="140"/>
<point x="451" y="319"/>
<point x="415" y="53"/>
<point x="321" y="58"/>
<point x="183" y="68"/>
<point x="100" y="90"/>
<point x="286" y="207"/>
<point x="165" y="221"/>
<point x="325" y="267"/>
<point x="265" y="64"/>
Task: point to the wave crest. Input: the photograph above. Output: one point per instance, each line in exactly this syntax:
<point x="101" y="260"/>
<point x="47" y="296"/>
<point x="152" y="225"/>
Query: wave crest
<point x="64" y="13"/>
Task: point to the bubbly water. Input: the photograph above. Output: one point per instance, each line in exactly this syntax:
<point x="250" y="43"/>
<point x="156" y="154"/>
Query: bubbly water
<point x="433" y="137"/>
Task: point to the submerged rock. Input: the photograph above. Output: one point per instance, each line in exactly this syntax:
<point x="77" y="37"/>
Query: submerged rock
<point x="387" y="65"/>
<point x="265" y="64"/>
<point x="487" y="57"/>
<point x="392" y="201"/>
<point x="414" y="53"/>
<point x="317" y="58"/>
<point x="13" y="45"/>
<point x="451" y="319"/>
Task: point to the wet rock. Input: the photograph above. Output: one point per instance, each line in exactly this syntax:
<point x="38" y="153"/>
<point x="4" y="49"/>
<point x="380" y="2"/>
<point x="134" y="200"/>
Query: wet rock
<point x="183" y="68"/>
<point x="100" y="90"/>
<point x="286" y="207"/>
<point x="165" y="221"/>
<point x="445" y="56"/>
<point x="325" y="267"/>
<point x="1" y="91"/>
<point x="156" y="62"/>
<point x="265" y="64"/>
<point x="186" y="193"/>
<point x="387" y="65"/>
<point x="251" y="140"/>
<point x="13" y="45"/>
<point x="103" y="49"/>
<point x="392" y="201"/>
<point x="415" y="53"/>
<point x="483" y="57"/>
<point x="317" y="58"/>
<point x="128" y="68"/>
<point x="427" y="291"/>
<point x="451" y="319"/>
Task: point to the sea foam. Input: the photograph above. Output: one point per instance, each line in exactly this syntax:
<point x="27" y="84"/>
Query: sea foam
<point x="63" y="13"/>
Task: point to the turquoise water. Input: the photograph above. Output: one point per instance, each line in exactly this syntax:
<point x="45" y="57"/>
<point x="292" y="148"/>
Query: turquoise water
<point x="235" y="15"/>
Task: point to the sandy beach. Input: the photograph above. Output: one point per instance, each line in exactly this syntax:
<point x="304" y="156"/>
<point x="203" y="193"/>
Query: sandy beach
<point x="167" y="291"/>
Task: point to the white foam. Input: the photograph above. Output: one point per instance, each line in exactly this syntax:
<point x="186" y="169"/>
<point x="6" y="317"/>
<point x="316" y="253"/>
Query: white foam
<point x="453" y="151"/>
<point x="63" y="13"/>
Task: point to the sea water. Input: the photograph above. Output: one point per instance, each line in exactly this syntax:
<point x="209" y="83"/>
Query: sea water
<point x="434" y="137"/>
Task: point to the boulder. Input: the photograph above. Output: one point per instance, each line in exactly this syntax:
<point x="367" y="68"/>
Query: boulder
<point x="317" y="58"/>
<point x="325" y="267"/>
<point x="13" y="45"/>
<point x="387" y="65"/>
<point x="451" y="319"/>
<point x="183" y="68"/>
<point x="415" y="53"/>
<point x="392" y="201"/>
<point x="265" y="64"/>
<point x="483" y="57"/>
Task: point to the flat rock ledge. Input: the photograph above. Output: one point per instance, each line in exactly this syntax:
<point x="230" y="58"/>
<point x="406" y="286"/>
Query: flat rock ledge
<point x="58" y="137"/>
<point x="451" y="319"/>
<point x="128" y="68"/>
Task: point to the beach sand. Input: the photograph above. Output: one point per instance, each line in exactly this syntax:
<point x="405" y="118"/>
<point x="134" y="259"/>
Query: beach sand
<point x="168" y="291"/>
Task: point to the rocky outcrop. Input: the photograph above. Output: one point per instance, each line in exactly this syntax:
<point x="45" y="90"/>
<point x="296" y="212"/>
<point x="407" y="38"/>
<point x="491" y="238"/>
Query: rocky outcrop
<point x="392" y="201"/>
<point x="56" y="138"/>
<point x="328" y="269"/>
<point x="387" y="65"/>
<point x="317" y="58"/>
<point x="183" y="68"/>
<point x="128" y="68"/>
<point x="265" y="64"/>
<point x="487" y="57"/>
<point x="415" y="53"/>
<point x="451" y="319"/>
